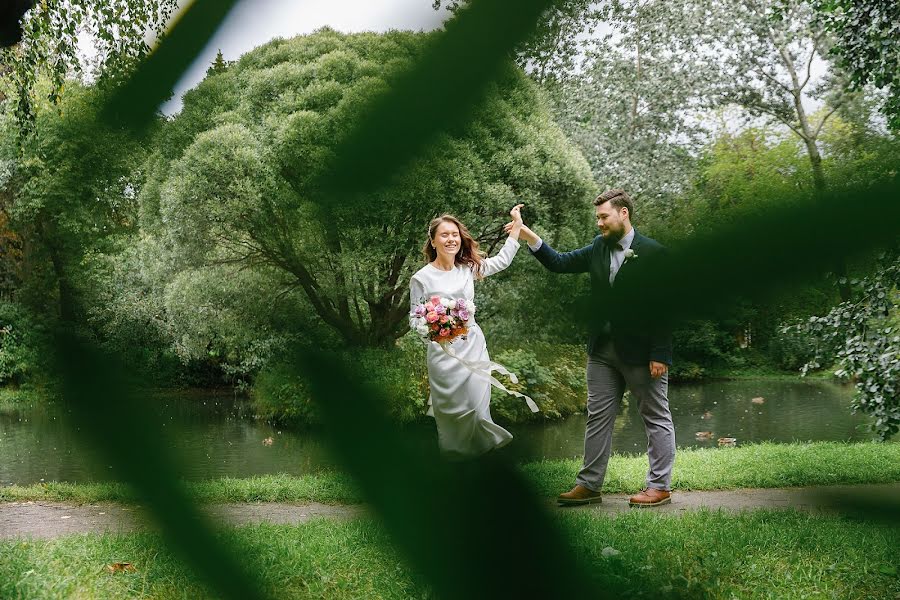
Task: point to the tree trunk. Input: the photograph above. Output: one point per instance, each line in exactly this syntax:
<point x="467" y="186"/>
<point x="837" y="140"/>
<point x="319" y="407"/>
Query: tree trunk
<point x="66" y="292"/>
<point x="632" y="126"/>
<point x="809" y="137"/>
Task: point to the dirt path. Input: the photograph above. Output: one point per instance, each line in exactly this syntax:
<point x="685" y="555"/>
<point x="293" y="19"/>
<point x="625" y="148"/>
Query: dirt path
<point x="49" y="519"/>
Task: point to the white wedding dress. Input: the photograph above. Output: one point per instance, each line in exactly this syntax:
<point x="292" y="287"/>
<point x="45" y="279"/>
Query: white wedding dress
<point x="460" y="395"/>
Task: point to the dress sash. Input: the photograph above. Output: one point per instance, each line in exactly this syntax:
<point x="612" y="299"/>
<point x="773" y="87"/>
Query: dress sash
<point x="483" y="368"/>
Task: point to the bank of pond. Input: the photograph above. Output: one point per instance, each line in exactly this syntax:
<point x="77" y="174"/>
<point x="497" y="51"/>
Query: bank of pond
<point x="219" y="434"/>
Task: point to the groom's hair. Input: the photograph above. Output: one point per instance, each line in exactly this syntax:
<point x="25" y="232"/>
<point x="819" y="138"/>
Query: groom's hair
<point x="618" y="198"/>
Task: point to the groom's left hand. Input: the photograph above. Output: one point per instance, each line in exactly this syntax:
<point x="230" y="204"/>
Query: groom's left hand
<point x="657" y="369"/>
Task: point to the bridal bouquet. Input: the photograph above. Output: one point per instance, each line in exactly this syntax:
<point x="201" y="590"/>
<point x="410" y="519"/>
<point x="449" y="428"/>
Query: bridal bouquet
<point x="441" y="320"/>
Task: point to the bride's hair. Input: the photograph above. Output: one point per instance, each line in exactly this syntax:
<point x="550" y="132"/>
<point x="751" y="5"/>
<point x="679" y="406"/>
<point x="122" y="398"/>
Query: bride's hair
<point x="468" y="248"/>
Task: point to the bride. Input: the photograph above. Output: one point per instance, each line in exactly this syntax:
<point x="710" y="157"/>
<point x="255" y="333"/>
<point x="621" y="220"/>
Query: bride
<point x="459" y="373"/>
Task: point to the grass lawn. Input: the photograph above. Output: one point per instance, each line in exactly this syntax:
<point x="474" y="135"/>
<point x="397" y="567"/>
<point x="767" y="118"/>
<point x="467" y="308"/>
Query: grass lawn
<point x="697" y="555"/>
<point x="760" y="465"/>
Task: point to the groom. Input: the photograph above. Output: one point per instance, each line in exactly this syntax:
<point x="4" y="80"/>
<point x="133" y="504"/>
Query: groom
<point x="621" y="352"/>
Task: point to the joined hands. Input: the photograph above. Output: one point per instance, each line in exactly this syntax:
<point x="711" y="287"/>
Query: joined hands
<point x="517" y="228"/>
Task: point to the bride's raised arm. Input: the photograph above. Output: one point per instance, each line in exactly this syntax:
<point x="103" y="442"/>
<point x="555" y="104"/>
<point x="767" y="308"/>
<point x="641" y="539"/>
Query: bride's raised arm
<point x="504" y="257"/>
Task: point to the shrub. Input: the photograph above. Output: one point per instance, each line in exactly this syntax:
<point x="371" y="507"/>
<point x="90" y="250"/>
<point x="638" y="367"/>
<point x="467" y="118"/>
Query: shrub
<point x="791" y="349"/>
<point x="552" y="374"/>
<point x="685" y="370"/>
<point x="400" y="372"/>
<point x="20" y="338"/>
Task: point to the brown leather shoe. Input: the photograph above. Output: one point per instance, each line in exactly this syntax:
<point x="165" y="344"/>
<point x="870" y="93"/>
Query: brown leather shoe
<point x="579" y="495"/>
<point x="650" y="497"/>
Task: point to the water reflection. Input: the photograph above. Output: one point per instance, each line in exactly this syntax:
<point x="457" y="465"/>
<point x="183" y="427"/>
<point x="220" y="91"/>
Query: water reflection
<point x="217" y="437"/>
<point x="788" y="411"/>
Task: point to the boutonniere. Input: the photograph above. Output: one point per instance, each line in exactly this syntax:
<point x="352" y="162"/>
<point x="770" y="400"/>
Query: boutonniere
<point x="629" y="254"/>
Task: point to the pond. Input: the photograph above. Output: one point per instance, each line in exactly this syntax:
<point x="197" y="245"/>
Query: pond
<point x="217" y="437"/>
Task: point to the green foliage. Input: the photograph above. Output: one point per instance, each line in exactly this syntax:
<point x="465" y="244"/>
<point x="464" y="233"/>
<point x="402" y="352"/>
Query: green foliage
<point x="70" y="191"/>
<point x="632" y="107"/>
<point x="21" y="337"/>
<point x="739" y="175"/>
<point x="750" y="167"/>
<point x="862" y="335"/>
<point x="867" y="32"/>
<point x="281" y="396"/>
<point x="218" y="65"/>
<point x="748" y="173"/>
<point x="49" y="46"/>
<point x="551" y="53"/>
<point x="525" y="287"/>
<point x="686" y="370"/>
<point x="413" y="528"/>
<point x="701" y="344"/>
<point x="235" y="179"/>
<point x="10" y="250"/>
<point x="128" y="316"/>
<point x="552" y="374"/>
<point x="767" y="49"/>
<point x="858" y="153"/>
<point x="793" y="349"/>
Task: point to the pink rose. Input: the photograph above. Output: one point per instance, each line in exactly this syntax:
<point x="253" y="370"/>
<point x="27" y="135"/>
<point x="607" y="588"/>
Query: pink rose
<point x="435" y="300"/>
<point x="444" y="319"/>
<point x="445" y="332"/>
<point x="431" y="317"/>
<point x="439" y="309"/>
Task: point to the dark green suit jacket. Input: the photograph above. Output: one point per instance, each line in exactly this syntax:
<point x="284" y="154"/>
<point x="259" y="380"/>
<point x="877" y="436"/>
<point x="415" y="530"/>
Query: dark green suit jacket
<point x="636" y="341"/>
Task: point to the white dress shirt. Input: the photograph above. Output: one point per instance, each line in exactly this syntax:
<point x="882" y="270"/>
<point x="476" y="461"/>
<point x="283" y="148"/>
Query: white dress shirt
<point x="617" y="254"/>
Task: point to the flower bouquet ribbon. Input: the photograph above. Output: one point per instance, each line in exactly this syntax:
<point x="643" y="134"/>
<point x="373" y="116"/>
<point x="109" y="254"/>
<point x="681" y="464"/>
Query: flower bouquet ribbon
<point x="484" y="368"/>
<point x="442" y="320"/>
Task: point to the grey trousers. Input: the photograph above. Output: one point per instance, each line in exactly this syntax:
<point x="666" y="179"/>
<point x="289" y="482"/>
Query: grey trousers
<point x="607" y="378"/>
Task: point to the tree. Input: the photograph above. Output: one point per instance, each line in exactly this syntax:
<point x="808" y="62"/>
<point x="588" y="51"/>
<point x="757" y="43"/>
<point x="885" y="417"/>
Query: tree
<point x="552" y="52"/>
<point x="768" y="52"/>
<point x="68" y="189"/>
<point x="49" y="43"/>
<point x="10" y="255"/>
<point x="219" y="64"/>
<point x="739" y="177"/>
<point x="769" y="49"/>
<point x="867" y="44"/>
<point x="632" y="108"/>
<point x="233" y="183"/>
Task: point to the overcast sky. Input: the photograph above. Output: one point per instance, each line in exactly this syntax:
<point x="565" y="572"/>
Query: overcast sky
<point x="255" y="22"/>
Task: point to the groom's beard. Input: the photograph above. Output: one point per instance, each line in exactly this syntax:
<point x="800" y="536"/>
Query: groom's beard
<point x="614" y="235"/>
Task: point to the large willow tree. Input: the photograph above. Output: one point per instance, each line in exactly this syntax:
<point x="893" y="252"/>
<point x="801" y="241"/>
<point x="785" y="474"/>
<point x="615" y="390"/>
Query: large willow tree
<point x="233" y="182"/>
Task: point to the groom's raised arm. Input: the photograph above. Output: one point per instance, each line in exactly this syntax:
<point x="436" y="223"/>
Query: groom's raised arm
<point x="576" y="261"/>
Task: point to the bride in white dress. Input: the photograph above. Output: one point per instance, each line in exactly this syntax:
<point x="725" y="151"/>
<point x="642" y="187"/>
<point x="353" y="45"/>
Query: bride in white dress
<point x="459" y="376"/>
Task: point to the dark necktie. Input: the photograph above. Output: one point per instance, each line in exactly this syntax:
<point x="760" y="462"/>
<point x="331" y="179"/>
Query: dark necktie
<point x="614" y="266"/>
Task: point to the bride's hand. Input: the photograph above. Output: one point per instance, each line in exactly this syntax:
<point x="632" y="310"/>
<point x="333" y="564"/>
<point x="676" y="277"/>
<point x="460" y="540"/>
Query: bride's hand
<point x="524" y="232"/>
<point x="516" y="214"/>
